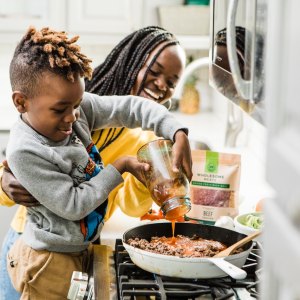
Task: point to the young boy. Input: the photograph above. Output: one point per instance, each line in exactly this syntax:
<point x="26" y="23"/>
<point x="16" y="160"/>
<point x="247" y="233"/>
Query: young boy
<point x="52" y="155"/>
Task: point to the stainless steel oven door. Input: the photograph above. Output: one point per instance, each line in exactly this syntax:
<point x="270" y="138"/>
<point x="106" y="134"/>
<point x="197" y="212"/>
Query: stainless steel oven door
<point x="237" y="52"/>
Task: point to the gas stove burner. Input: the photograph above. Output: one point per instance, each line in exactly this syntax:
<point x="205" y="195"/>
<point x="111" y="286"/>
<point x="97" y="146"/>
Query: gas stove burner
<point x="135" y="283"/>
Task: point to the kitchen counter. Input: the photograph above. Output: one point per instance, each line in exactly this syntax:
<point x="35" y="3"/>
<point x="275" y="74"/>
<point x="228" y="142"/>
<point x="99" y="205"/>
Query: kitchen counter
<point x="115" y="227"/>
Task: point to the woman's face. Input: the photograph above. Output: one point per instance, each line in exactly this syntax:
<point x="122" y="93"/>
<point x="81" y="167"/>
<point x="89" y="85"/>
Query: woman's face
<point x="163" y="75"/>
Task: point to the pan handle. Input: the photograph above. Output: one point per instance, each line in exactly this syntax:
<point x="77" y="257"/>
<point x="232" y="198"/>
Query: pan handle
<point x="232" y="270"/>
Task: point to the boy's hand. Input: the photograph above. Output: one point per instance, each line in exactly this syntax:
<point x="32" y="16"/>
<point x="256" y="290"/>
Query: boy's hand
<point x="14" y="190"/>
<point x="132" y="165"/>
<point x="182" y="156"/>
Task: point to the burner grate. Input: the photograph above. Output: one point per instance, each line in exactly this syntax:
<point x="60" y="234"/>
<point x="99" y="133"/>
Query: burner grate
<point x="135" y="283"/>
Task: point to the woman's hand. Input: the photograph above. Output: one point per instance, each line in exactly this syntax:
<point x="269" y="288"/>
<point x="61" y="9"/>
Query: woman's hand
<point x="182" y="156"/>
<point x="14" y="190"/>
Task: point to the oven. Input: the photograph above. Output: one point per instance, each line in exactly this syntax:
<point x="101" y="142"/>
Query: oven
<point x="115" y="277"/>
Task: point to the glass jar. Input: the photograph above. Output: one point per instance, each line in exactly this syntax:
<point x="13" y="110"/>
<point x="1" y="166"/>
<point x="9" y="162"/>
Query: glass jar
<point x="168" y="189"/>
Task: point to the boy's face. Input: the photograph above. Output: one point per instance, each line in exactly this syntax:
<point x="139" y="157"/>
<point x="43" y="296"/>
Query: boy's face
<point x="55" y="109"/>
<point x="163" y="75"/>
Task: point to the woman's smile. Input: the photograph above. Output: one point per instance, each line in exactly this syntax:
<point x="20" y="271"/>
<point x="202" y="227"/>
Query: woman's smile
<point x="155" y="96"/>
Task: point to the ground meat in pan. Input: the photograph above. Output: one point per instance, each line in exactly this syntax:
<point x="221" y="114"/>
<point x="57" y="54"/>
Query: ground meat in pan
<point x="181" y="246"/>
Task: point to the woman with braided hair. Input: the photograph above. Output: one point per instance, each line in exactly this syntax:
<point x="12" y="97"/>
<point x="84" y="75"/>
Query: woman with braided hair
<point x="147" y="63"/>
<point x="52" y="155"/>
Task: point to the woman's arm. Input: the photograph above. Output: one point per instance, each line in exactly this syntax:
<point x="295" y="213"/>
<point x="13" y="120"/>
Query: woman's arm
<point x="4" y="199"/>
<point x="133" y="112"/>
<point x="11" y="191"/>
<point x="56" y="191"/>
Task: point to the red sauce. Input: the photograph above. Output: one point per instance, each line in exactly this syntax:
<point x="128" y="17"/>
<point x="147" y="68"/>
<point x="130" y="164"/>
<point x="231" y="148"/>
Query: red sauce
<point x="173" y="240"/>
<point x="186" y="247"/>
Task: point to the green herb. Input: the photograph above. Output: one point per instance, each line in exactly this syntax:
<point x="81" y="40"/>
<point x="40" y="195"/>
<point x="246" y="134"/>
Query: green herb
<point x="253" y="221"/>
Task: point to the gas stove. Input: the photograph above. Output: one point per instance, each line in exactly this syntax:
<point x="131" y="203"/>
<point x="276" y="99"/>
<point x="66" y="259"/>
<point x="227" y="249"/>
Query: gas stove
<point x="114" y="276"/>
<point x="135" y="283"/>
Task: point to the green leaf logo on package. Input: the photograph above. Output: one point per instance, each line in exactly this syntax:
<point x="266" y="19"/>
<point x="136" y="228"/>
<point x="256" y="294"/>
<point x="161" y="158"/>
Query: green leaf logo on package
<point x="212" y="162"/>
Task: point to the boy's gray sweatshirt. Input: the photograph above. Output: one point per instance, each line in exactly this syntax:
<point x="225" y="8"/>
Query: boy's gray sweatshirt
<point x="56" y="173"/>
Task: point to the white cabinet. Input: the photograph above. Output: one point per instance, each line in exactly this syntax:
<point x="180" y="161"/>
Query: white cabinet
<point x="17" y="15"/>
<point x="94" y="18"/>
<point x="98" y="22"/>
<point x="99" y="16"/>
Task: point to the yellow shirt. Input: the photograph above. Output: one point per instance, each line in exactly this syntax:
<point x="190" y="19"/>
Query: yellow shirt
<point x="131" y="196"/>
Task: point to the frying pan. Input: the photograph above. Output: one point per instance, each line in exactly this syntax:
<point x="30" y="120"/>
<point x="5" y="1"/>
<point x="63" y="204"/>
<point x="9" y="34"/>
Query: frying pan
<point x="195" y="267"/>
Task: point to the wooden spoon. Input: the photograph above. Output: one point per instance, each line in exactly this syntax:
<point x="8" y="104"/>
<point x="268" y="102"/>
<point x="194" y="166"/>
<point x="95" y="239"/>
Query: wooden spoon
<point x="238" y="244"/>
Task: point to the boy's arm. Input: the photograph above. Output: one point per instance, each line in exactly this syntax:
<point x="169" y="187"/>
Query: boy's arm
<point x="4" y="199"/>
<point x="131" y="112"/>
<point x="55" y="189"/>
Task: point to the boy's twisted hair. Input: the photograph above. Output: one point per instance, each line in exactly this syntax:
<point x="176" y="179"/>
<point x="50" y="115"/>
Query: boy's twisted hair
<point x="118" y="73"/>
<point x="46" y="50"/>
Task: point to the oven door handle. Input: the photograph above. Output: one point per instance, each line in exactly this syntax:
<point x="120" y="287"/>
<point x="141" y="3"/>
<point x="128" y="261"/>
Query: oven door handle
<point x="242" y="86"/>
